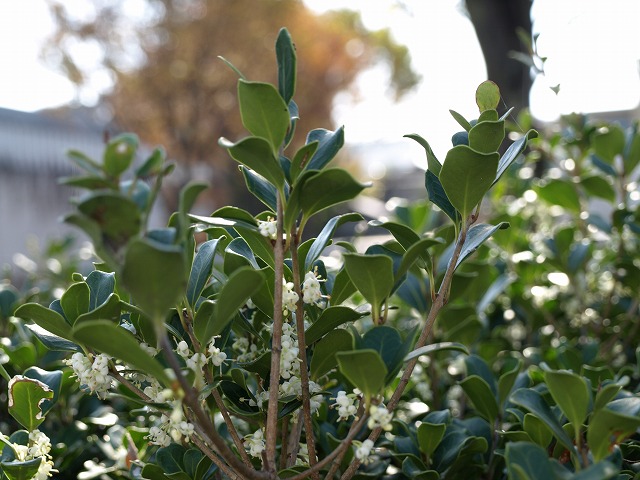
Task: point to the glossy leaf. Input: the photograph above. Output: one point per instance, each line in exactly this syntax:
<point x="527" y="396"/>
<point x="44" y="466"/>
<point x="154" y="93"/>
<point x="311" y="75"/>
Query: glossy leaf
<point x="75" y="301"/>
<point x="343" y="287"/>
<point x="260" y="246"/>
<point x="612" y="424"/>
<point x="257" y="154"/>
<point x="562" y="193"/>
<point x="286" y="58"/>
<point x="324" y="353"/>
<point x="571" y="393"/>
<point x="364" y="369"/>
<point x="438" y="196"/>
<point x="373" y="277"/>
<point x="201" y="270"/>
<point x="51" y="341"/>
<point x="436" y="347"/>
<point x="429" y="436"/>
<point x="26" y="397"/>
<point x="532" y="401"/>
<point x="264" y="113"/>
<point x="53" y="380"/>
<point x="506" y="382"/>
<point x="466" y="176"/>
<point x="486" y="137"/>
<point x="481" y="396"/>
<point x="325" y="236"/>
<point x="608" y="144"/>
<point x="388" y="343"/>
<point x="48" y="319"/>
<point x="101" y="285"/>
<point x="155" y="275"/>
<point x="117" y="216"/>
<point x="117" y="342"/>
<point x="241" y="285"/>
<point x="329" y="144"/>
<point x="302" y="158"/>
<point x="476" y="236"/>
<point x="512" y="153"/>
<point x="537" y="430"/>
<point x="463" y="122"/>
<point x="108" y="310"/>
<point x="527" y="461"/>
<point x="17" y="470"/>
<point x="433" y="165"/>
<point x="262" y="189"/>
<point x="330" y="319"/>
<point x="326" y="189"/>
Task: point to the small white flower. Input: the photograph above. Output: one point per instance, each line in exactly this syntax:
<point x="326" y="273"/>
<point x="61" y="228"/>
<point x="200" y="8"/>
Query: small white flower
<point x="346" y="405"/>
<point x="311" y="293"/>
<point x="268" y="229"/>
<point x="149" y="349"/>
<point x="363" y="451"/>
<point x="289" y="297"/>
<point x="380" y="417"/>
<point x="183" y="349"/>
<point x="216" y="356"/>
<point x="255" y="443"/>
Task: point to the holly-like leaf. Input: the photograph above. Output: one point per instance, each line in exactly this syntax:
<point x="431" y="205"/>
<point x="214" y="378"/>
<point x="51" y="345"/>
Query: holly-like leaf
<point x="26" y="398"/>
<point x="373" y="277"/>
<point x="324" y="353"/>
<point x="75" y="301"/>
<point x="364" y="369"/>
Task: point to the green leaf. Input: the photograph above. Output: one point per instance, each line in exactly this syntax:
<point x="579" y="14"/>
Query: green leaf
<point x="264" y="113"/>
<point x="373" y="277"/>
<point x="48" y="319"/>
<point x="85" y="163"/>
<point x="325" y="236"/>
<point x="101" y="286"/>
<point x="605" y="394"/>
<point x="109" y="310"/>
<point x="120" y="153"/>
<point x="51" y="379"/>
<point x="364" y="369"/>
<point x="228" y="217"/>
<point x="632" y="153"/>
<point x="527" y="461"/>
<point x="487" y="96"/>
<point x="324" y="353"/>
<point x="155" y="275"/>
<point x="476" y="236"/>
<point x="286" y="57"/>
<point x="51" y="341"/>
<point x="433" y="164"/>
<point x="117" y="216"/>
<point x="330" y="319"/>
<point x="571" y="393"/>
<point x="241" y="285"/>
<point x="75" y="301"/>
<point x="437" y="196"/>
<point x="598" y="187"/>
<point x="326" y="189"/>
<point x="463" y="122"/>
<point x="600" y="471"/>
<point x="26" y="399"/>
<point x="537" y="430"/>
<point x="261" y="246"/>
<point x="329" y="144"/>
<point x="466" y="176"/>
<point x="417" y="251"/>
<point x="486" y="137"/>
<point x="201" y="270"/>
<point x="8" y="300"/>
<point x="562" y="193"/>
<point x="301" y="159"/>
<point x="507" y="381"/>
<point x="257" y="154"/>
<point x="481" y="396"/>
<point x="118" y="342"/>
<point x="262" y="189"/>
<point x="609" y="143"/>
<point x="429" y="436"/>
<point x="512" y="153"/>
<point x="436" y="347"/>
<point x="388" y="343"/>
<point x="152" y="165"/>
<point x="532" y="401"/>
<point x="170" y="458"/>
<point x="612" y="424"/>
<point x="343" y="288"/>
<point x="16" y="470"/>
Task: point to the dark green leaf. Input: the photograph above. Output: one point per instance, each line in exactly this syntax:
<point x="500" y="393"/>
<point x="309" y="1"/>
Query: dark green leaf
<point x="52" y="379"/>
<point x="388" y="343"/>
<point x="120" y="153"/>
<point x="330" y="319"/>
<point x="26" y="397"/>
<point x="537" y="430"/>
<point x="463" y="122"/>
<point x="562" y="193"/>
<point x="612" y="424"/>
<point x="571" y="393"/>
<point x="429" y="436"/>
<point x="364" y="369"/>
<point x="152" y="165"/>
<point x="51" y="341"/>
<point x="433" y="164"/>
<point x="201" y="270"/>
<point x="527" y="461"/>
<point x="343" y="288"/>
<point x="436" y="347"/>
<point x="476" y="236"/>
<point x="481" y="396"/>
<point x="325" y="236"/>
<point x="117" y="216"/>
<point x="48" y="319"/>
<point x="286" y="57"/>
<point x="373" y="277"/>
<point x="486" y="137"/>
<point x="512" y="153"/>
<point x="466" y="176"/>
<point x="16" y="470"/>
<point x="438" y="196"/>
<point x="302" y="158"/>
<point x="326" y="189"/>
<point x="324" y="353"/>
<point x="117" y="342"/>
<point x="170" y="458"/>
<point x="101" y="285"/>
<point x="260" y="187"/>
<point x="109" y="310"/>
<point x="257" y="154"/>
<point x="598" y="187"/>
<point x="75" y="301"/>
<point x="329" y="144"/>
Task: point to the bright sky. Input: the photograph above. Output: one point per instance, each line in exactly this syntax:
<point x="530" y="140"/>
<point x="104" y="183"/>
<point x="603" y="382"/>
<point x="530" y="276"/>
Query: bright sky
<point x="593" y="50"/>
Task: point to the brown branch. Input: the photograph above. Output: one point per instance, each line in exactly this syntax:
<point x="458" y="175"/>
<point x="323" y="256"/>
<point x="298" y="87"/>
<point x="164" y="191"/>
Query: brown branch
<point x="271" y="431"/>
<point x="338" y="460"/>
<point x="302" y="355"/>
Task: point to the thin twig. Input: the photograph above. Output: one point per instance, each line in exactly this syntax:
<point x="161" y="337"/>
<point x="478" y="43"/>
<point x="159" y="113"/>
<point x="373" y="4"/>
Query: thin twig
<point x="440" y="301"/>
<point x="190" y="399"/>
<point x="293" y="445"/>
<point x="338" y="460"/>
<point x="204" y="448"/>
<point x="116" y="375"/>
<point x="302" y="355"/>
<point x="271" y="431"/>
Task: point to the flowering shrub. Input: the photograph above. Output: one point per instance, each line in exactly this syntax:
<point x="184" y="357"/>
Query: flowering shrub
<point x="251" y="355"/>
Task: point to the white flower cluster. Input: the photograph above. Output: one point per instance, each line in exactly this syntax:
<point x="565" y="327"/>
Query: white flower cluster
<point x="363" y="451"/>
<point x="93" y="376"/>
<point x="268" y="229"/>
<point x="255" y="443"/>
<point x="311" y="293"/>
<point x="246" y="352"/>
<point x="39" y="447"/>
<point x="346" y="405"/>
<point x="196" y="361"/>
<point x="380" y="417"/>
<point x="289" y="361"/>
<point x="171" y="427"/>
<point x="157" y="392"/>
<point x="289" y="297"/>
